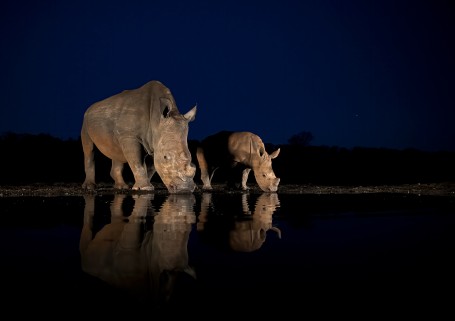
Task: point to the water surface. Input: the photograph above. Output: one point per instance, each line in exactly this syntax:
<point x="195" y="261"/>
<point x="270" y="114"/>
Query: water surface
<point x="226" y="251"/>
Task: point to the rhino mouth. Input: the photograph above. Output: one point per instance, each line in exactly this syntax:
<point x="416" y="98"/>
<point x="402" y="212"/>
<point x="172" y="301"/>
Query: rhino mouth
<point x="181" y="186"/>
<point x="271" y="187"/>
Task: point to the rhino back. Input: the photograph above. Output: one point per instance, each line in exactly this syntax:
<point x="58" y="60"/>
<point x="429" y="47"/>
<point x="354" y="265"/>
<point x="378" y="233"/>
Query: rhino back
<point x="216" y="149"/>
<point x="133" y="112"/>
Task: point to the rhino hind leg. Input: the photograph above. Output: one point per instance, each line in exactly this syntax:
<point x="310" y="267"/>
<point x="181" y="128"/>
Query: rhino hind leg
<point x="206" y="181"/>
<point x="117" y="175"/>
<point x="203" y="166"/>
<point x="89" y="160"/>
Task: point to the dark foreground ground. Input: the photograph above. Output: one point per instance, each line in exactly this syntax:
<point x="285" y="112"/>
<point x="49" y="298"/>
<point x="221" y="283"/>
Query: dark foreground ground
<point x="74" y="189"/>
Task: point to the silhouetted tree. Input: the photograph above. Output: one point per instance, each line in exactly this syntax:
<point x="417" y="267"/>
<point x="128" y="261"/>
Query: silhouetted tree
<point x="303" y="138"/>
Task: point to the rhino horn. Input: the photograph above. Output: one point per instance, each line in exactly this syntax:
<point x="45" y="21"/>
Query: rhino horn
<point x="277" y="230"/>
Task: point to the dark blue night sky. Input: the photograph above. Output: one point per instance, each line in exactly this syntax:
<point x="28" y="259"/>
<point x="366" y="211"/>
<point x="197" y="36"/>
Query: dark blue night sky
<point x="374" y="73"/>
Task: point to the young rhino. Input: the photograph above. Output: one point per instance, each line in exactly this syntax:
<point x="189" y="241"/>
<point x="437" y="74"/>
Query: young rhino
<point x="127" y="125"/>
<point x="243" y="151"/>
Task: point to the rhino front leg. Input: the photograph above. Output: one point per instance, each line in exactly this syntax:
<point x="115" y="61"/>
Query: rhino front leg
<point x="245" y="174"/>
<point x="132" y="151"/>
<point x="117" y="175"/>
<point x="141" y="178"/>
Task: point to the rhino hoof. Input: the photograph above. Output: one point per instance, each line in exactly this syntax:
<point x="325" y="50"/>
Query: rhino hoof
<point x="143" y="188"/>
<point x="89" y="186"/>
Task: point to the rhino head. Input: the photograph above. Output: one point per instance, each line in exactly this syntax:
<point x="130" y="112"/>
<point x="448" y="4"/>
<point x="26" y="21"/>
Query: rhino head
<point x="263" y="171"/>
<point x="172" y="158"/>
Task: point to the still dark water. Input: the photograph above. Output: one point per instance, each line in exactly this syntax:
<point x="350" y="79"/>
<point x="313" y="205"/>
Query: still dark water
<point x="211" y="254"/>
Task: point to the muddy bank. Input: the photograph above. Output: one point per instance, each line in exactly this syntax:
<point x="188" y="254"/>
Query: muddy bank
<point x="73" y="189"/>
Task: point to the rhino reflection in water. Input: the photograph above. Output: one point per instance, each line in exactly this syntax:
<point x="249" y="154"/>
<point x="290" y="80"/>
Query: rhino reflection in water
<point x="248" y="231"/>
<point x="148" y="264"/>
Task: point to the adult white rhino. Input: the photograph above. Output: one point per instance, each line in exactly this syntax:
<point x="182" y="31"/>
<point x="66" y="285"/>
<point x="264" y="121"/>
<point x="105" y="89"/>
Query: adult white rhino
<point x="132" y="122"/>
<point x="243" y="151"/>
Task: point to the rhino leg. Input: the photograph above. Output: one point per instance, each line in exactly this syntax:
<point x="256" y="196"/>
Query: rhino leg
<point x="204" y="169"/>
<point x="205" y="180"/>
<point x="245" y="174"/>
<point x="141" y="178"/>
<point x="117" y="175"/>
<point x="89" y="160"/>
<point x="133" y="151"/>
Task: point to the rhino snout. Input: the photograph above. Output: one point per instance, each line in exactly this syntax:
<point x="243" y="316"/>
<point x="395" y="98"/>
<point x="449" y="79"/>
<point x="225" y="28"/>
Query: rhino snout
<point x="182" y="186"/>
<point x="191" y="170"/>
<point x="274" y="185"/>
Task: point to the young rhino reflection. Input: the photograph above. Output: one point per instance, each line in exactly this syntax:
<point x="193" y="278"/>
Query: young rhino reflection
<point x="148" y="264"/>
<point x="248" y="231"/>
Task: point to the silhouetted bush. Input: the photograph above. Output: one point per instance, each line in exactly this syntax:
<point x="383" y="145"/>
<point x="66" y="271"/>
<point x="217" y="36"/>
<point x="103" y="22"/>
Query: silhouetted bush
<point x="28" y="159"/>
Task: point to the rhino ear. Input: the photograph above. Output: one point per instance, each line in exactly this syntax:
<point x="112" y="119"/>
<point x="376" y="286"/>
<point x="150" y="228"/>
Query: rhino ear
<point x="165" y="106"/>
<point x="191" y="114"/>
<point x="275" y="154"/>
<point x="259" y="147"/>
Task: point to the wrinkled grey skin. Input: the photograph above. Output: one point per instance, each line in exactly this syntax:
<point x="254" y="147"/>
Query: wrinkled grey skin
<point x="243" y="148"/>
<point x="144" y="261"/>
<point x="125" y="125"/>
